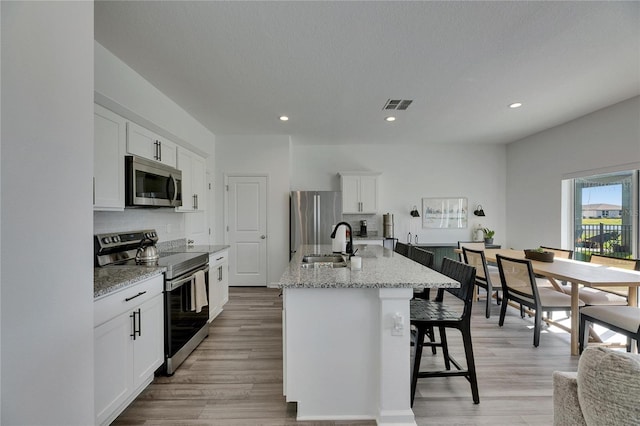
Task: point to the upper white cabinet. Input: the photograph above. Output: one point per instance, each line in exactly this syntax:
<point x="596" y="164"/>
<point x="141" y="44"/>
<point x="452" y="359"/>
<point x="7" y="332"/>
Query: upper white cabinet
<point x="193" y="181"/>
<point x="359" y="192"/>
<point x="144" y="143"/>
<point x="109" y="139"/>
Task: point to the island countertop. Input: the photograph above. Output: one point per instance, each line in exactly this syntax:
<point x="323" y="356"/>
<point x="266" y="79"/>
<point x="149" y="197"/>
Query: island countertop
<point x="381" y="268"/>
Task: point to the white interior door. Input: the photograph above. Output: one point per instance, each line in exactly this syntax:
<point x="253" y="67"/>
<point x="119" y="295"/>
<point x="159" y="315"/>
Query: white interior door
<point x="247" y="230"/>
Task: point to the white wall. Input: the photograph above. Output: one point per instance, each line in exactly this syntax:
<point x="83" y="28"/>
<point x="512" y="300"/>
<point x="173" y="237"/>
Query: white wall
<point x="119" y="88"/>
<point x="411" y="172"/>
<point x="47" y="157"/>
<point x="536" y="165"/>
<point x="267" y="155"/>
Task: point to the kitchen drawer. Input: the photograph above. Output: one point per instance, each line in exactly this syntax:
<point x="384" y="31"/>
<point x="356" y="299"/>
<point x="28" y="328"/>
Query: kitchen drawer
<point x="124" y="300"/>
<point x="219" y="257"/>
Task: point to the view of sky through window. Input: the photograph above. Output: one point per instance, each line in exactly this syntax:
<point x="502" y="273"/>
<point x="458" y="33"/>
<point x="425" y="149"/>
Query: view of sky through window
<point x="606" y="194"/>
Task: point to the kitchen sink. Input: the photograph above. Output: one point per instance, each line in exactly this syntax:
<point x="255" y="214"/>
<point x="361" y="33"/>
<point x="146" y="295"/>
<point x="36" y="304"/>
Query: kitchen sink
<point x="323" y="261"/>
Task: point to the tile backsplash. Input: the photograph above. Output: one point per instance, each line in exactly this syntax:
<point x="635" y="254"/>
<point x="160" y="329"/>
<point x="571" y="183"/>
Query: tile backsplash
<point x="168" y="224"/>
<point x="372" y="222"/>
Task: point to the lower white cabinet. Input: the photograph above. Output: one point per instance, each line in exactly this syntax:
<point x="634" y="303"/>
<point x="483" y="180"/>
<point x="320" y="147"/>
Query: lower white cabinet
<point x="128" y="345"/>
<point x="218" y="282"/>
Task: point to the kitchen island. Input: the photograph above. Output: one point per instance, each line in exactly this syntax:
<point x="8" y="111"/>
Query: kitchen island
<point x="346" y="335"/>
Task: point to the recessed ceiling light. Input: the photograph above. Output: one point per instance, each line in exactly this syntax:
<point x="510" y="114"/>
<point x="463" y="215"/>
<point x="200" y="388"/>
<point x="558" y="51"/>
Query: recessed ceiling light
<point x="284" y="118"/>
<point x="390" y="118"/>
<point x="515" y="105"/>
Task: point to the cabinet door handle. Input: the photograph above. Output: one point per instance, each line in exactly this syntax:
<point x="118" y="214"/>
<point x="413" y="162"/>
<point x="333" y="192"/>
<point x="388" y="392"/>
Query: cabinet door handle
<point x="219" y="273"/>
<point x="160" y="151"/>
<point x="133" y="297"/>
<point x="135" y="330"/>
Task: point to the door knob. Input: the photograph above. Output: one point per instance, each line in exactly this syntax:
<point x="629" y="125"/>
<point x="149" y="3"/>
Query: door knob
<point x="262" y="237"/>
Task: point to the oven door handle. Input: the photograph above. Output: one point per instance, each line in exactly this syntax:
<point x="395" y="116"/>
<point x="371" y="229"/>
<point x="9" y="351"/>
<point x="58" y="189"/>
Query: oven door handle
<point x="172" y="285"/>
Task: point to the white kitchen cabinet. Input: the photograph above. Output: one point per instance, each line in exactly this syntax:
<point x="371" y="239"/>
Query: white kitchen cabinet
<point x="359" y="192"/>
<point x="147" y="144"/>
<point x="128" y="345"/>
<point x="218" y="282"/>
<point x="109" y="139"/>
<point x="193" y="181"/>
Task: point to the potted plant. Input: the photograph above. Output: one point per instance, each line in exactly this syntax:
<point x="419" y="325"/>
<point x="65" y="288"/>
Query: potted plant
<point x="488" y="235"/>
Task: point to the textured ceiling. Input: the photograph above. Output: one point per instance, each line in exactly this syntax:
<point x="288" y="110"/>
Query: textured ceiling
<point x="331" y="66"/>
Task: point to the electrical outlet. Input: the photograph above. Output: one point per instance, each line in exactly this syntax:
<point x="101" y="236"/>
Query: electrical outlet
<point x="398" y="325"/>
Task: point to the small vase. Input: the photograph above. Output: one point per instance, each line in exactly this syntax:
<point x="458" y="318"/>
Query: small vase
<point x="488" y="241"/>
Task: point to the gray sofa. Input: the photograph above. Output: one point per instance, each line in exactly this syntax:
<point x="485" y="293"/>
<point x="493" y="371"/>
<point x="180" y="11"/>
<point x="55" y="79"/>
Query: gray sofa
<point x="604" y="391"/>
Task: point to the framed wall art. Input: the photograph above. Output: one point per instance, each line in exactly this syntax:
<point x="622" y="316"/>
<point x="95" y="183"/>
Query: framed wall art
<point x="444" y="213"/>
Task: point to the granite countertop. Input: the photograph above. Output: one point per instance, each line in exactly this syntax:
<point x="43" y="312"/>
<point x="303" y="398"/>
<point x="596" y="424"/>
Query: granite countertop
<point x="381" y="268"/>
<point x="108" y="279"/>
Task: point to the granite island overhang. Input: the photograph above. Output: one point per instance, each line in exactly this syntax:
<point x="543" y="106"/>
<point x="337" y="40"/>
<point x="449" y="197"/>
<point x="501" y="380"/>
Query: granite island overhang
<point x="346" y="335"/>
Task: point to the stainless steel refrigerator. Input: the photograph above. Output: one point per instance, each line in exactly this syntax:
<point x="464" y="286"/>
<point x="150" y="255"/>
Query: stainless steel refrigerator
<point x="313" y="214"/>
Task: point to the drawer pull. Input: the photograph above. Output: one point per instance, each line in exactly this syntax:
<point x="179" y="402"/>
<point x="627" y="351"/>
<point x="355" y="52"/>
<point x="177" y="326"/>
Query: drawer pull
<point x="219" y="258"/>
<point x="133" y="297"/>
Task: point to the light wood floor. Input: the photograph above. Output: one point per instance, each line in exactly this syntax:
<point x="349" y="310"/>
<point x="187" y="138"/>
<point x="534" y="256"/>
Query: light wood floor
<point x="235" y="376"/>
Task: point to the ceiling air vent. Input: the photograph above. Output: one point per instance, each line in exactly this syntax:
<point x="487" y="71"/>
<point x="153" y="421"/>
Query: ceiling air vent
<point x="397" y="104"/>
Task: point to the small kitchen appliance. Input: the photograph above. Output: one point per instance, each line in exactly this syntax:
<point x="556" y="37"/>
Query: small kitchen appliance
<point x="363" y="228"/>
<point x="147" y="253"/>
<point x="387" y="225"/>
<point x="151" y="184"/>
<point x="184" y="328"/>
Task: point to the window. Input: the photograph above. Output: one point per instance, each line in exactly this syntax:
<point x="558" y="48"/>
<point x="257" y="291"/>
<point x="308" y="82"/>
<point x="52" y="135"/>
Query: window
<point x="605" y="219"/>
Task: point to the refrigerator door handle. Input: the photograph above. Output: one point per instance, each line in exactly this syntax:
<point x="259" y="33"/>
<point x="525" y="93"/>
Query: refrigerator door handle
<point x="318" y="224"/>
<point x="315" y="218"/>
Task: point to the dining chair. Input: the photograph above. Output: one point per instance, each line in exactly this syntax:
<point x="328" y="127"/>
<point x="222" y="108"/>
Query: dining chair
<point x="427" y="314"/>
<point x="401" y="248"/>
<point x="589" y="295"/>
<point x="616" y="262"/>
<point x="474" y="245"/>
<point x="519" y="285"/>
<point x="425" y="258"/>
<point x="620" y="319"/>
<point x="422" y="256"/>
<point x="487" y="279"/>
<point x="557" y="253"/>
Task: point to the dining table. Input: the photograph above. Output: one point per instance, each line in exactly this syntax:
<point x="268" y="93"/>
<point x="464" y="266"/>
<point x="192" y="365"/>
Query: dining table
<point x="576" y="273"/>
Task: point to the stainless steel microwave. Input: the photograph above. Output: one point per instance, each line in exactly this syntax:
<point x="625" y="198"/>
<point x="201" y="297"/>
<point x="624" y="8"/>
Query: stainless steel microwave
<point x="151" y="184"/>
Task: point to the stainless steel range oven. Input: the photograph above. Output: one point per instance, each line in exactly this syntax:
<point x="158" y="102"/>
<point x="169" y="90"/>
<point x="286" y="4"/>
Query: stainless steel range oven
<point x="184" y="326"/>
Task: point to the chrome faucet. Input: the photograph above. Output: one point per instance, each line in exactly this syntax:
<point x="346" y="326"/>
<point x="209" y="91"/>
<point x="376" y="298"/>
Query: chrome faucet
<point x="349" y="249"/>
